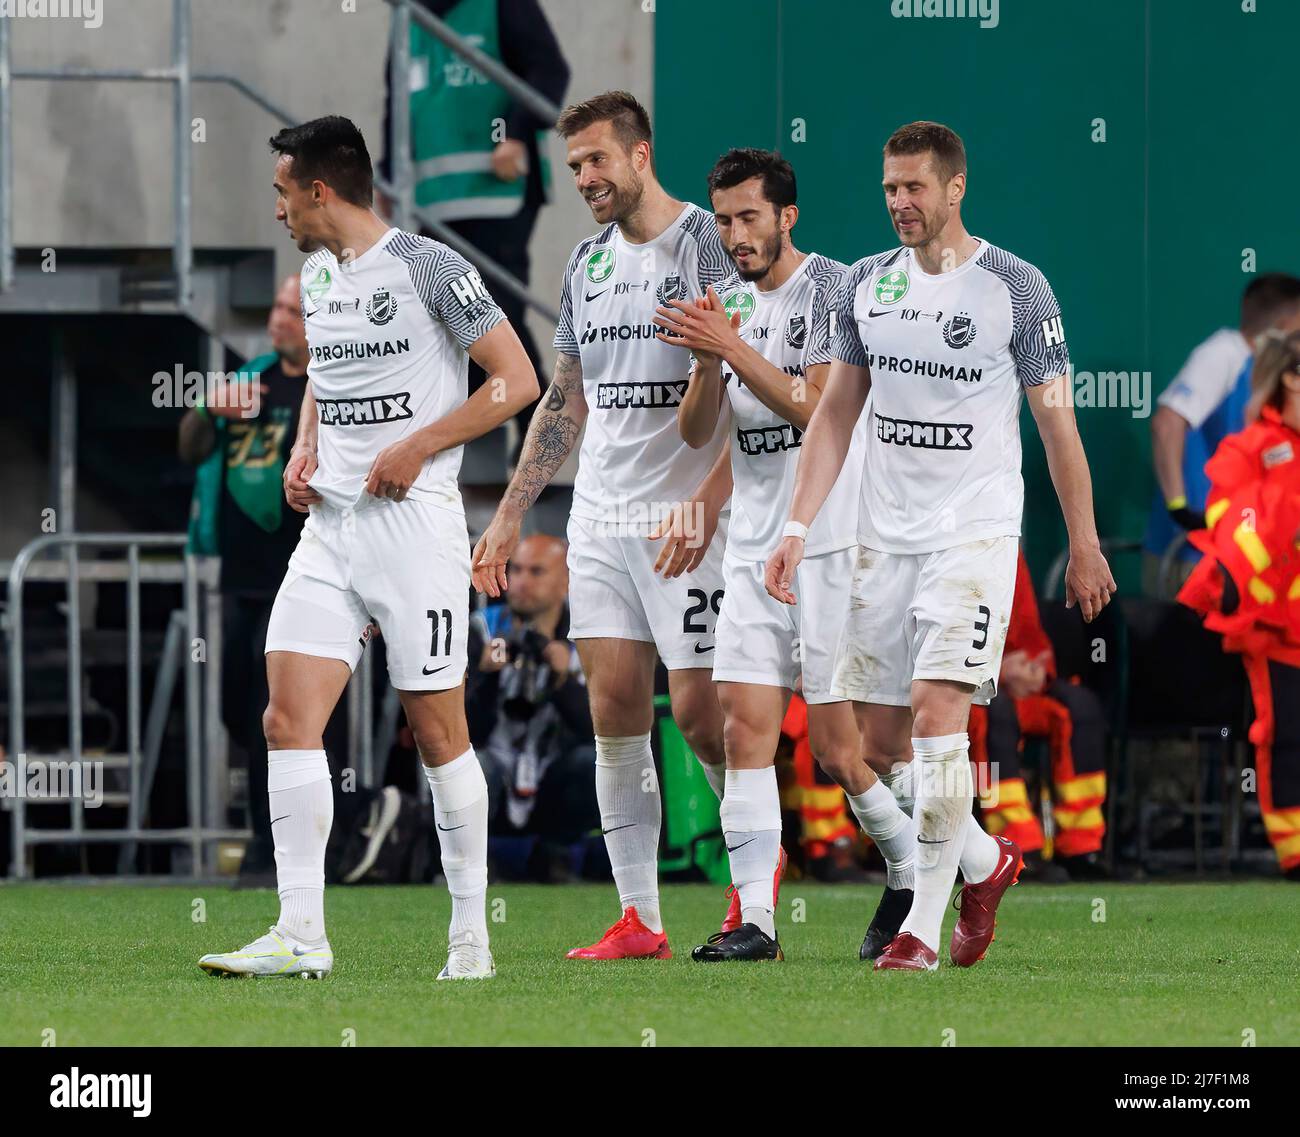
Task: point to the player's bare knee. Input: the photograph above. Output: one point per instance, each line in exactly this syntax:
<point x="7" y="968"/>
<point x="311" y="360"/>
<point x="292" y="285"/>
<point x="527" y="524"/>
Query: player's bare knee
<point x="438" y="742"/>
<point x="279" y="728"/>
<point x="703" y="736"/>
<point x="840" y="759"/>
<point x="742" y="738"/>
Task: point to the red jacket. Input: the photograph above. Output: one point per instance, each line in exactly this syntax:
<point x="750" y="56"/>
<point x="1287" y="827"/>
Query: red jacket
<point x="1247" y="586"/>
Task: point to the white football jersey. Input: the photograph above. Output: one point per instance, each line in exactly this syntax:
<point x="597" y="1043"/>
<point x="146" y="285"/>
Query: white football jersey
<point x="387" y="334"/>
<point x="948" y="355"/>
<point x="790" y="327"/>
<point x="633" y="463"/>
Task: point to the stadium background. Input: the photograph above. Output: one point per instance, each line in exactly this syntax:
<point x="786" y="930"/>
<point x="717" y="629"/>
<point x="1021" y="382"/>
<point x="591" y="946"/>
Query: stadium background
<point x="1143" y="235"/>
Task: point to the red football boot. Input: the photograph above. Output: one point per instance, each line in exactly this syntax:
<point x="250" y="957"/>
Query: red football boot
<point x="731" y="921"/>
<point x="627" y="939"/>
<point x="979" y="903"/>
<point x="906" y="953"/>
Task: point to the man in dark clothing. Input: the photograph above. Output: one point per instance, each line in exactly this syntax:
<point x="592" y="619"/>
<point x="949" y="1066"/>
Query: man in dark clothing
<point x="527" y="705"/>
<point x="477" y="154"/>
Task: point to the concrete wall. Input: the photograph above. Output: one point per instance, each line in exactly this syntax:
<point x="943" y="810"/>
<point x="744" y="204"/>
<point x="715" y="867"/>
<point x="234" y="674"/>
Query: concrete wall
<point x="93" y="160"/>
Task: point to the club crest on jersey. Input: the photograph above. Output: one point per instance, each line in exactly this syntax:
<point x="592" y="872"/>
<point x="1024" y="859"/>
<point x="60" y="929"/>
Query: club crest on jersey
<point x="959" y="331"/>
<point x="796" y="331"/>
<point x="319" y="284"/>
<point x="671" y="288"/>
<point x="892" y="287"/>
<point x="742" y="302"/>
<point x="599" y="265"/>
<point x="381" y="307"/>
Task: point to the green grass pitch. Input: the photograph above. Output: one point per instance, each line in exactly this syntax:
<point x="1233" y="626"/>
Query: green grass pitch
<point x="1170" y="964"/>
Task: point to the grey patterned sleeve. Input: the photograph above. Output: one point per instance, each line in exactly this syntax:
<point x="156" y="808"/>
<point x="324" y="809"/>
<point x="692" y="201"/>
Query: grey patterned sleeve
<point x="565" y="340"/>
<point x="846" y="342"/>
<point x="1038" y="344"/>
<point x="449" y="286"/>
<point x="828" y="277"/>
<point x="714" y="264"/>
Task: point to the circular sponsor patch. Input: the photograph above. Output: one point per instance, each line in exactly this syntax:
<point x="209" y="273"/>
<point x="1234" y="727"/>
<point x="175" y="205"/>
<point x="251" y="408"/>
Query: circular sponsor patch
<point x="742" y="302"/>
<point x="891" y="287"/>
<point x="599" y="265"/>
<point x="319" y="284"/>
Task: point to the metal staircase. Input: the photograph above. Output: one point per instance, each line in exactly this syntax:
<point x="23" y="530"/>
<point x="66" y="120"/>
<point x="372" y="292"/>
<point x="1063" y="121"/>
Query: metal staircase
<point x="225" y="293"/>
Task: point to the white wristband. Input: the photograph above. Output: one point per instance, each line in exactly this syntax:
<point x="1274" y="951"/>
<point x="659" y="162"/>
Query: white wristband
<point x="794" y="529"/>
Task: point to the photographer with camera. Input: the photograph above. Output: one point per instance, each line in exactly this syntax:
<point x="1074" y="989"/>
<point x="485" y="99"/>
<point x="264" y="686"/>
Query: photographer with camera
<point x="528" y="709"/>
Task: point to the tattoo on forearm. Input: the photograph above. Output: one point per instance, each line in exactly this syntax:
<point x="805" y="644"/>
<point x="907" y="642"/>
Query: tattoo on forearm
<point x="551" y="435"/>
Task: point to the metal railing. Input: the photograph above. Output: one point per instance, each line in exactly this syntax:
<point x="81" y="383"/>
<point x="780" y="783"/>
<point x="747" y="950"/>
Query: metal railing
<point x="140" y="757"/>
<point x="182" y="78"/>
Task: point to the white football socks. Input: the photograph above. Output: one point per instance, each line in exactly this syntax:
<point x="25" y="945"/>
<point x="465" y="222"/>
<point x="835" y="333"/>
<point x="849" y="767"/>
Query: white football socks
<point x="627" y="791"/>
<point x="460" y="812"/>
<point x="943" y="788"/>
<point x="751" y="825"/>
<point x="890" y="828"/>
<point x="302" y="812"/>
<point x="979" y="852"/>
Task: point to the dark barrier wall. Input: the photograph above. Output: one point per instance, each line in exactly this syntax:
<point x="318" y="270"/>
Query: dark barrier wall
<point x="1142" y="235"/>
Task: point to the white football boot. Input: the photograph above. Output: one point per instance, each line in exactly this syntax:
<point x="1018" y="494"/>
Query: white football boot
<point x="467" y="960"/>
<point x="276" y="954"/>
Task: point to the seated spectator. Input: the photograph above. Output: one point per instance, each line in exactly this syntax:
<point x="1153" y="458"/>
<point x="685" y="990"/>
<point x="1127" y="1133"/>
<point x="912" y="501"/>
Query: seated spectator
<point x="528" y="710"/>
<point x="1034" y="702"/>
<point x="1206" y="402"/>
<point x="1247" y="586"/>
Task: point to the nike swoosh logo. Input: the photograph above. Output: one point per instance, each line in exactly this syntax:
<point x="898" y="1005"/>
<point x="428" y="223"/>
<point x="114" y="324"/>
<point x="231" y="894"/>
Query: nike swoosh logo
<point x="593" y="295"/>
<point x="616" y="828"/>
<point x="450" y="828"/>
<point x="435" y="671"/>
<point x="872" y="314"/>
<point x="303" y="951"/>
<point x="701" y="650"/>
<point x="733" y="848"/>
<point x="923" y="841"/>
<point x="977" y="663"/>
<point x="284" y="818"/>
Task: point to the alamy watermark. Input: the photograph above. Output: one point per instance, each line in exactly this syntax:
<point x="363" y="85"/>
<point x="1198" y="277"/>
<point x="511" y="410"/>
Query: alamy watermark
<point x="52" y="779"/>
<point x="684" y="520"/>
<point x="89" y="12"/>
<point x="1108" y="390"/>
<point x="209" y="389"/>
<point x="986" y="11"/>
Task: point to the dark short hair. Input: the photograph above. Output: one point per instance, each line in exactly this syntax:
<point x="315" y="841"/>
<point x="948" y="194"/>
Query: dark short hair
<point x="1265" y="297"/>
<point x="745" y="162"/>
<point x="620" y="108"/>
<point x="930" y="137"/>
<point x="330" y="150"/>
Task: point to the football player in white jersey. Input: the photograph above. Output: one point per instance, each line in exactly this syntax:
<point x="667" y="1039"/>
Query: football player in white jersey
<point x="615" y="377"/>
<point x="944" y="332"/>
<point x="762" y="343"/>
<point x="392" y="320"/>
